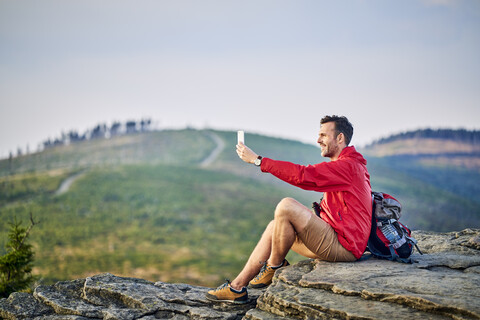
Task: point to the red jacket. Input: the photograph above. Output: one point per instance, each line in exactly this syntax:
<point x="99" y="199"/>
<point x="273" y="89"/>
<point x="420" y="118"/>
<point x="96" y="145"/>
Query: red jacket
<point x="347" y="200"/>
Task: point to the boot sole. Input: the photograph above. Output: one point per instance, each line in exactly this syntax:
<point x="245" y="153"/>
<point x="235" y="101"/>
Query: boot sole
<point x="258" y="286"/>
<point x="214" y="299"/>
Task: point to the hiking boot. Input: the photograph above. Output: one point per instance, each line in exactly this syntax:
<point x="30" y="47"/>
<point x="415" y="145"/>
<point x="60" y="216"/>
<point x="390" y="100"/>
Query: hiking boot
<point x="226" y="293"/>
<point x="264" y="277"/>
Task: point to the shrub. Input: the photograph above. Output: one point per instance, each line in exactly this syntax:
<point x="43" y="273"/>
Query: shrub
<point x="16" y="265"/>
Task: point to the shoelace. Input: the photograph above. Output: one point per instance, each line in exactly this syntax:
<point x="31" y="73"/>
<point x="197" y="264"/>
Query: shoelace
<point x="227" y="282"/>
<point x="262" y="271"/>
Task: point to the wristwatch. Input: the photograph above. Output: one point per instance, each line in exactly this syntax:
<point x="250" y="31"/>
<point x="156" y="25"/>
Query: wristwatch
<point x="258" y="161"/>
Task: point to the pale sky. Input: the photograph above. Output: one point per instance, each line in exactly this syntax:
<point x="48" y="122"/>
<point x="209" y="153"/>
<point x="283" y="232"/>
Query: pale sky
<point x="272" y="67"/>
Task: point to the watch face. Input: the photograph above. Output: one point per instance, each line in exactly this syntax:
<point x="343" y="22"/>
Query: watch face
<point x="258" y="162"/>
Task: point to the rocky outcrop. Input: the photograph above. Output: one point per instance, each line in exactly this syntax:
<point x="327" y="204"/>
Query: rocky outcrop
<point x="443" y="284"/>
<point x="106" y="296"/>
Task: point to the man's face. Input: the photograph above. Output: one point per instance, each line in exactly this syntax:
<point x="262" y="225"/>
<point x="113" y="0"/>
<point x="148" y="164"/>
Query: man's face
<point x="327" y="140"/>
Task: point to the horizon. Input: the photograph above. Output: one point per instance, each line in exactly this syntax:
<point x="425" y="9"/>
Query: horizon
<point x="155" y="128"/>
<point x="29" y="149"/>
<point x="269" y="67"/>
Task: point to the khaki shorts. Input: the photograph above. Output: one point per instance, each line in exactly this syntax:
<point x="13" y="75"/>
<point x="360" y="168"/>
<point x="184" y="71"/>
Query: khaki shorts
<point x="320" y="238"/>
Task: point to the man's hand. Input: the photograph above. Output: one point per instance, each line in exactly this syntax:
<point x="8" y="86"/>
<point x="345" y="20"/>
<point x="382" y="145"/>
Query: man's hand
<point x="245" y="153"/>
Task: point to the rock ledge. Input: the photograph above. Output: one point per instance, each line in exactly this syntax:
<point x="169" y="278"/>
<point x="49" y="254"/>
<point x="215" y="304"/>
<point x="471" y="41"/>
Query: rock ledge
<point x="443" y="284"/>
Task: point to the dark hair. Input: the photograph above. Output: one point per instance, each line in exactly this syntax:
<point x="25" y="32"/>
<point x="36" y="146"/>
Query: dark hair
<point x="342" y="125"/>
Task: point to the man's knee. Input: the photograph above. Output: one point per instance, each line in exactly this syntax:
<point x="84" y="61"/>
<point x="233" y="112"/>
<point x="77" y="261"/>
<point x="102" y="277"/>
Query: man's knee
<point x="285" y="207"/>
<point x="270" y="226"/>
<point x="293" y="211"/>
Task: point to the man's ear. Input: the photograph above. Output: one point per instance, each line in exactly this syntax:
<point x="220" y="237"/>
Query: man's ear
<point x="340" y="138"/>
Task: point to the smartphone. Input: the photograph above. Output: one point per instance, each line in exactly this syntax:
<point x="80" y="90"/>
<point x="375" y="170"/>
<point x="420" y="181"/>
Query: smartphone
<point x="241" y="136"/>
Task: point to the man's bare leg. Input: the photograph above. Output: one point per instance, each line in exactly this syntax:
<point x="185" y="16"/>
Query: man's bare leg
<point x="291" y="217"/>
<point x="254" y="264"/>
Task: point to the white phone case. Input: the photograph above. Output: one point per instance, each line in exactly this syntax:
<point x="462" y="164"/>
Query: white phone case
<point x="241" y="136"/>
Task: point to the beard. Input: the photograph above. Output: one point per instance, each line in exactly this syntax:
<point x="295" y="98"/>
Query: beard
<point x="329" y="150"/>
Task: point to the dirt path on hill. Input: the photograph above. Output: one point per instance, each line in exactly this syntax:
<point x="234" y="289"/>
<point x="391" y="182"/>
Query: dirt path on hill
<point x="67" y="183"/>
<point x="216" y="152"/>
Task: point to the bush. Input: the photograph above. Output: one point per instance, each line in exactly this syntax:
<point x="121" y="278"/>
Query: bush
<point x="16" y="265"/>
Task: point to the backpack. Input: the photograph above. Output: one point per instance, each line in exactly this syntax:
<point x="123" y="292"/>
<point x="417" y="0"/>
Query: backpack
<point x="389" y="239"/>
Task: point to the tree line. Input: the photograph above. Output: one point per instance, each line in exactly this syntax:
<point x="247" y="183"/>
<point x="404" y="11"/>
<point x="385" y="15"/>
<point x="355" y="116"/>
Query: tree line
<point x="461" y="135"/>
<point x="101" y="131"/>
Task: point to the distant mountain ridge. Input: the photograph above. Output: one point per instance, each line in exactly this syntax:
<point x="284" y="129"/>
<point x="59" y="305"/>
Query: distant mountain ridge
<point x="461" y="135"/>
<point x="459" y="142"/>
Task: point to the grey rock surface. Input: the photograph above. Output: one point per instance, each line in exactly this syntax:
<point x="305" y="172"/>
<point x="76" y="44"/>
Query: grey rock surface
<point x="443" y="284"/>
<point x="106" y="296"/>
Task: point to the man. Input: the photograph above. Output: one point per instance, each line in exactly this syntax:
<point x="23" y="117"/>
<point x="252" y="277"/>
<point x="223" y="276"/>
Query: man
<point x="339" y="233"/>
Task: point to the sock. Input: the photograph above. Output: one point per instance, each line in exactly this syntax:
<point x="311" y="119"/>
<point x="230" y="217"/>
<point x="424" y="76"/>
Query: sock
<point x="276" y="267"/>
<point x="237" y="291"/>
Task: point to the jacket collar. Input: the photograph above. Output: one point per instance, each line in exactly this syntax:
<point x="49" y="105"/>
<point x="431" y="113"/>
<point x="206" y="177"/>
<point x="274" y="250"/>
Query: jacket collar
<point x="351" y="152"/>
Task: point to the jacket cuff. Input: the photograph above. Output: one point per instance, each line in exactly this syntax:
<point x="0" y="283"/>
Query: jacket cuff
<point x="264" y="166"/>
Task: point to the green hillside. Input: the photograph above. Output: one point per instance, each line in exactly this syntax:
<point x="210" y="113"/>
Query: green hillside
<point x="434" y="173"/>
<point x="147" y="205"/>
<point x="143" y="205"/>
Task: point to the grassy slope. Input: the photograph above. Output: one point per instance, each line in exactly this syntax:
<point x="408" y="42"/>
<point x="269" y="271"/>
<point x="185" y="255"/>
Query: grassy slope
<point x="179" y="147"/>
<point x="145" y="208"/>
<point x="156" y="221"/>
<point x="435" y="179"/>
<point x="430" y="200"/>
